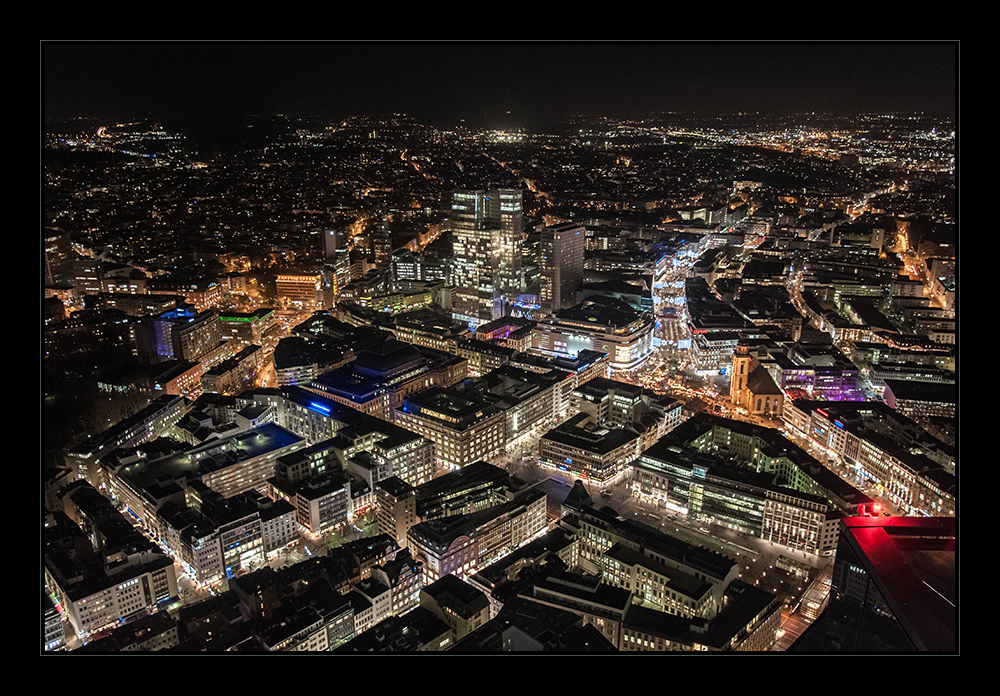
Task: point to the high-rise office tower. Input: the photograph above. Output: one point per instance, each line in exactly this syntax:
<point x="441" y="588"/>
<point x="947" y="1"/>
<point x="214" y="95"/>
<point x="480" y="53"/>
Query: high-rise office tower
<point x="332" y="241"/>
<point x="486" y="231"/>
<point x="381" y="239"/>
<point x="560" y="257"/>
<point x="338" y="258"/>
<point x="58" y="260"/>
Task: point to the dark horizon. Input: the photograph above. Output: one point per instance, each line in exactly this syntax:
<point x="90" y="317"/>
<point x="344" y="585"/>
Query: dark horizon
<point x="442" y="84"/>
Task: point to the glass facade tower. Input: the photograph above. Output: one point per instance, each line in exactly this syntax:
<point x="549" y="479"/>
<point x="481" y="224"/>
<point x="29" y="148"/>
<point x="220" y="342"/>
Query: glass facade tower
<point x="486" y="231"/>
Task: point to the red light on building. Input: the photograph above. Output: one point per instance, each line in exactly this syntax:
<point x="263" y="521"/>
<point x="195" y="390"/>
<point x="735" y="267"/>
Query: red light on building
<point x="869" y="509"/>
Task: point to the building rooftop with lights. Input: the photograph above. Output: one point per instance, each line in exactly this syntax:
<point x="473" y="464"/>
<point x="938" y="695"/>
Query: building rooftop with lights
<point x="229" y="465"/>
<point x="599" y="323"/>
<point x="747" y="478"/>
<point x="382" y="376"/>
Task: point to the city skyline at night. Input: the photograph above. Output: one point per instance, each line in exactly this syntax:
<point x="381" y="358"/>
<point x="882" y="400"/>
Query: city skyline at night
<point x="483" y="347"/>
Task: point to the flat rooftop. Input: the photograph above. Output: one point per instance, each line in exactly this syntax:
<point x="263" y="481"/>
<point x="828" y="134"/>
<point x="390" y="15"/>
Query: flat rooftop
<point x="211" y="456"/>
<point x="912" y="562"/>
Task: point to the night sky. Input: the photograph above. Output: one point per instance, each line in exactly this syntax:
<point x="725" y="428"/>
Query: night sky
<point x="442" y="83"/>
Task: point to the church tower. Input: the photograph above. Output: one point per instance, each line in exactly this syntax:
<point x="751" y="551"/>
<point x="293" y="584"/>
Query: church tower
<point x="742" y="365"/>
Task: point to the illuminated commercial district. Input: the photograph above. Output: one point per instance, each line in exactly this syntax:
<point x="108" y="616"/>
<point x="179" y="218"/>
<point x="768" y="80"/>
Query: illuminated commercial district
<point x="718" y="418"/>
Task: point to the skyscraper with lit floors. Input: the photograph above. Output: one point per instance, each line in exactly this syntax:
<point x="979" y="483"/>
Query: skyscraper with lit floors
<point x="486" y="232"/>
<point x="561" y="265"/>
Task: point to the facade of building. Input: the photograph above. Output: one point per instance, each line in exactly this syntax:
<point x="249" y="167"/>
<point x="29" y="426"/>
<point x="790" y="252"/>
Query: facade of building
<point x="615" y="404"/>
<point x="195" y="337"/>
<point x="182" y="333"/>
<point x="749" y="622"/>
<point x="148" y="424"/>
<point x="373" y="451"/>
<point x="461" y="544"/>
<point x="99" y="573"/>
<point x="921" y="400"/>
<point x="322" y="503"/>
<point x="230" y="465"/>
<point x="53" y="628"/>
<point x="300" y="290"/>
<point x="883" y="447"/>
<point x="464" y="429"/>
<point x="395" y="508"/>
<point x="482" y="357"/>
<point x="680" y="578"/>
<point x="594" y="454"/>
<point x="530" y="400"/>
<point x="692" y="471"/>
<point x="246" y="328"/>
<point x="235" y="375"/>
<point x="560" y="265"/>
<point x="220" y="538"/>
<point x="405" y="579"/>
<point x="423" y="328"/>
<point x="472" y="488"/>
<point x="460" y="605"/>
<point x="375" y="599"/>
<point x="599" y="324"/>
<point x="657" y="583"/>
<point x="334" y="480"/>
<point x="599" y="603"/>
<point x="486" y="233"/>
<point x="380" y="379"/>
<point x="95" y="607"/>
<point x="712" y="351"/>
<point x="204" y="294"/>
<point x="752" y="387"/>
<point x="58" y="268"/>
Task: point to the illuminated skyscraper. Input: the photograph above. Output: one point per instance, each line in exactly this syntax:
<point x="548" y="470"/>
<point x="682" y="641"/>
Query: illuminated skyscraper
<point x="486" y="229"/>
<point x="58" y="260"/>
<point x="561" y="265"/>
<point x="338" y="258"/>
<point x="381" y="242"/>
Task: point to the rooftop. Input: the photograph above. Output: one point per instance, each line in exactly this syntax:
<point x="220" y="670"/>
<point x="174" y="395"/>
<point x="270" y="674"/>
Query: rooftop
<point x="211" y="456"/>
<point x="912" y="562"/>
